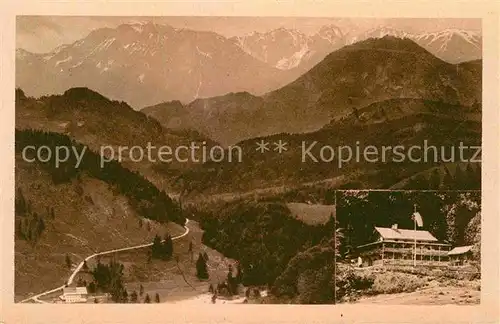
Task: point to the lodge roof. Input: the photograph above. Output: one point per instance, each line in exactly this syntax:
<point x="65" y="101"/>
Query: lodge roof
<point x="405" y="234"/>
<point x="460" y="250"/>
<point x="75" y="290"/>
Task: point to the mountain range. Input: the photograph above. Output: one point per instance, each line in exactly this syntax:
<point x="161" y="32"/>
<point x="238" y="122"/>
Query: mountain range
<point x="402" y="88"/>
<point x="146" y="63"/>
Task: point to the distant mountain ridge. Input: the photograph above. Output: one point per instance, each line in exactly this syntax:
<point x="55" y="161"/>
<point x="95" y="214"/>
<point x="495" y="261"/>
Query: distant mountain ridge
<point x="289" y="48"/>
<point x="354" y="76"/>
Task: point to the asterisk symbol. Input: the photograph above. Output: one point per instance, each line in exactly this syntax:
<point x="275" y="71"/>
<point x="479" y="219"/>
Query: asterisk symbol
<point x="280" y="146"/>
<point x="262" y="146"/>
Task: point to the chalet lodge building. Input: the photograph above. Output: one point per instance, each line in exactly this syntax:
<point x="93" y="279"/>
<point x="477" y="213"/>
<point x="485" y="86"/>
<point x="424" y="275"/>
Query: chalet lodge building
<point x="395" y="246"/>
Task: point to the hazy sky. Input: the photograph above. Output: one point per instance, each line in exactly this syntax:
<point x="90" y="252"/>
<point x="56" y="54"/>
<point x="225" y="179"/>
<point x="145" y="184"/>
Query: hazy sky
<point x="44" y="33"/>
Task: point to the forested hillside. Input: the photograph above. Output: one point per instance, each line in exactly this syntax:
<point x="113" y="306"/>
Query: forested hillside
<point x="264" y="238"/>
<point x="144" y="196"/>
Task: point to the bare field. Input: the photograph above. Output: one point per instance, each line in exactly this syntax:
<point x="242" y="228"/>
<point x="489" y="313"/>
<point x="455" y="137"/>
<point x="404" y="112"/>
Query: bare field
<point x="89" y="217"/>
<point x="312" y="214"/>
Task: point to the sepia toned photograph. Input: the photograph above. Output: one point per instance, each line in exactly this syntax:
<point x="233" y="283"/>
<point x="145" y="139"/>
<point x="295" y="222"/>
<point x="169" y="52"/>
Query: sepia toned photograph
<point x="208" y="160"/>
<point x="409" y="247"/>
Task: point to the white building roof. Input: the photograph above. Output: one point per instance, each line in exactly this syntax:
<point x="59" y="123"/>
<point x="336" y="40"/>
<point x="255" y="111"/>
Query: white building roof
<point x="405" y="234"/>
<point x="460" y="250"/>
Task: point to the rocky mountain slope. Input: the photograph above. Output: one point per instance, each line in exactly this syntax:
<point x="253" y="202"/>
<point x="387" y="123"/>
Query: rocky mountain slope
<point x="288" y="49"/>
<point x="146" y="63"/>
<point x="451" y="45"/>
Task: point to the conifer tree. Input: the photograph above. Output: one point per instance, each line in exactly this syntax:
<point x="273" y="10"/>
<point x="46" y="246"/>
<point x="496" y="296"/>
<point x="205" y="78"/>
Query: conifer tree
<point x="156" y="248"/>
<point x="157" y="298"/>
<point x="470" y="175"/>
<point x="190" y="251"/>
<point x="68" y="261"/>
<point x="356" y="113"/>
<point x="239" y="273"/>
<point x="435" y="180"/>
<point x="460" y="181"/>
<point x="448" y="182"/>
<point x="477" y="175"/>
<point x="20" y="203"/>
<point x="201" y="267"/>
<point x="168" y="246"/>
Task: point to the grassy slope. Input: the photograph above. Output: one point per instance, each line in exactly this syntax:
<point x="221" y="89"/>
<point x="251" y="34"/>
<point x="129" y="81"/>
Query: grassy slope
<point x="89" y="217"/>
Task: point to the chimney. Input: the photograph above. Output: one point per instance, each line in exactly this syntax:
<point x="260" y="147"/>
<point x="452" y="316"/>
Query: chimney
<point x="395" y="227"/>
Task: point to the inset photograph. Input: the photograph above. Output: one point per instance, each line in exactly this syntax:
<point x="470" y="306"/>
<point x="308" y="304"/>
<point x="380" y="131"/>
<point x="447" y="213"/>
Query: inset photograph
<point x="409" y="247"/>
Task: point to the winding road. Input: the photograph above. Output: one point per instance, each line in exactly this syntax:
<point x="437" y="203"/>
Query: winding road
<point x="80" y="265"/>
